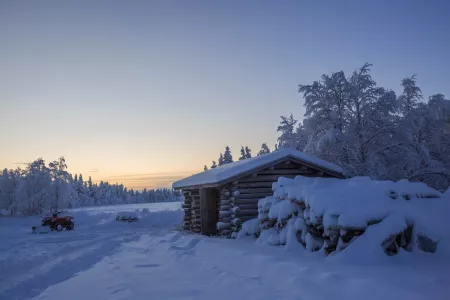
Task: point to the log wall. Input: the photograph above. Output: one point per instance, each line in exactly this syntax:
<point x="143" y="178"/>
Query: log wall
<point x="192" y="213"/>
<point x="240" y="202"/>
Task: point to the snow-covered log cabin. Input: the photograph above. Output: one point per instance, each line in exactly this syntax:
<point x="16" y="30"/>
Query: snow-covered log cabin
<point x="219" y="199"/>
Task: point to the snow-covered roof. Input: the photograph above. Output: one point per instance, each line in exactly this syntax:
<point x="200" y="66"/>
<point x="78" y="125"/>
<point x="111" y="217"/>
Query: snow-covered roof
<point x="231" y="170"/>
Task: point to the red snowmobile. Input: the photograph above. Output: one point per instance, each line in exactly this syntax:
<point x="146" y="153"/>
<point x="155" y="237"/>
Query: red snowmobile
<point x="58" y="223"/>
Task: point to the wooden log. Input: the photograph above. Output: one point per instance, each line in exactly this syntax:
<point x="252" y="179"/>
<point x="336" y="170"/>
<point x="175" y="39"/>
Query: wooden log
<point x="254" y="185"/>
<point x="262" y="178"/>
<point x="246" y="218"/>
<point x="254" y="195"/>
<point x="187" y="200"/>
<point x="225" y="202"/>
<point x="248" y="206"/>
<point x="184" y="205"/>
<point x="239" y="202"/>
<point x="224" y="213"/>
<point x="247" y="212"/>
<point x="236" y="222"/>
<point x="225" y="232"/>
<point x="254" y="190"/>
<point x="282" y="172"/>
<point x="235" y="210"/>
<point x="225" y="219"/>
<point x="223" y="226"/>
<point x="290" y="166"/>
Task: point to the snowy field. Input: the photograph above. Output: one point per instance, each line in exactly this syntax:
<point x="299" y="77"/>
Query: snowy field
<point x="105" y="259"/>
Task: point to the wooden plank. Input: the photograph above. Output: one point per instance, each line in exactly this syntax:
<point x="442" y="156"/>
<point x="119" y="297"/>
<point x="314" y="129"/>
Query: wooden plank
<point x="208" y="210"/>
<point x="271" y="178"/>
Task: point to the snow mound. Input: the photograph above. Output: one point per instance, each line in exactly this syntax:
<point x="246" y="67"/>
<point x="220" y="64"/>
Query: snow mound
<point x="250" y="228"/>
<point x="358" y="214"/>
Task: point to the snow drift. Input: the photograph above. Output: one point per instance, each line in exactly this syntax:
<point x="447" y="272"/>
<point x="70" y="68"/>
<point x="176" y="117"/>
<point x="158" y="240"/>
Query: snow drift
<point x="374" y="217"/>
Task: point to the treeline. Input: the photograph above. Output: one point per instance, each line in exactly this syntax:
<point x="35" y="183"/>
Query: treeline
<point x="369" y="130"/>
<point x="40" y="188"/>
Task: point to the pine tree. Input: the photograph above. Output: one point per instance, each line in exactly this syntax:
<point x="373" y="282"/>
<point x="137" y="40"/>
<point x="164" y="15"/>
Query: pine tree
<point x="205" y="168"/>
<point x="248" y="152"/>
<point x="264" y="149"/>
<point x="227" y="157"/>
<point x="243" y="155"/>
<point x="214" y="165"/>
<point x="221" y="159"/>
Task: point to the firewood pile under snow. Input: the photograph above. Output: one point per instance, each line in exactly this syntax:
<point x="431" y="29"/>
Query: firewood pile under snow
<point x="330" y="214"/>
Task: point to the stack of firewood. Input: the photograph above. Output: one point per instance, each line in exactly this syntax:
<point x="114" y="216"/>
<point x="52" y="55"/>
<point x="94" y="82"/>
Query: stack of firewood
<point x="315" y="234"/>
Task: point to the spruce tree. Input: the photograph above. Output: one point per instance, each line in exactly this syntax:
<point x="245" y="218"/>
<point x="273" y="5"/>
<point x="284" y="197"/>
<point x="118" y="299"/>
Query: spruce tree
<point x="221" y="159"/>
<point x="214" y="165"/>
<point x="227" y="157"/>
<point x="264" y="149"/>
<point x="248" y="152"/>
<point x="243" y="155"/>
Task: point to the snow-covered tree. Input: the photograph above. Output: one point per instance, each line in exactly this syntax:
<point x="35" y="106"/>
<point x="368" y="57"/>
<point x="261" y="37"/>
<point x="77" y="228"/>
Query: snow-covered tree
<point x="6" y="190"/>
<point x="35" y="189"/>
<point x="411" y="97"/>
<point x="41" y="188"/>
<point x="205" y="168"/>
<point x="369" y="131"/>
<point x="214" y="165"/>
<point x="287" y="139"/>
<point x="264" y="149"/>
<point x="221" y="159"/>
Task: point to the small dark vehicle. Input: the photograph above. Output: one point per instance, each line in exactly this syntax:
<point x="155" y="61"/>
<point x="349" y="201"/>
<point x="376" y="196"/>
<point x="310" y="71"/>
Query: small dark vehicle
<point x="58" y="223"/>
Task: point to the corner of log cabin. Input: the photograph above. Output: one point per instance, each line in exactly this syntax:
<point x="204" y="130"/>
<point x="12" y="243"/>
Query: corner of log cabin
<point x="222" y="209"/>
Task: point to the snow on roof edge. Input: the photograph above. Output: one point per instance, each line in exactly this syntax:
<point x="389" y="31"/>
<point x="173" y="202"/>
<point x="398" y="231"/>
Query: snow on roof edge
<point x="228" y="171"/>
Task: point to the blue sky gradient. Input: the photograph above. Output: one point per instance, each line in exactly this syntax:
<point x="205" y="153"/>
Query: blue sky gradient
<point x="132" y="88"/>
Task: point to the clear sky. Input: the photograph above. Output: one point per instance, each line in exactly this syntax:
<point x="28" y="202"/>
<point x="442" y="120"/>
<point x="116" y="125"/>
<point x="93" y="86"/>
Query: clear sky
<point x="145" y="92"/>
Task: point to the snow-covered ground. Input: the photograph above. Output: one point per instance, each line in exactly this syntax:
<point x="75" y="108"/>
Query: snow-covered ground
<point x="105" y="259"/>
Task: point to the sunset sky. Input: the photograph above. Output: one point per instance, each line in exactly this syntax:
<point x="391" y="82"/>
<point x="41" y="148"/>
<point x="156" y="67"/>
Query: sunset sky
<point x="146" y="92"/>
